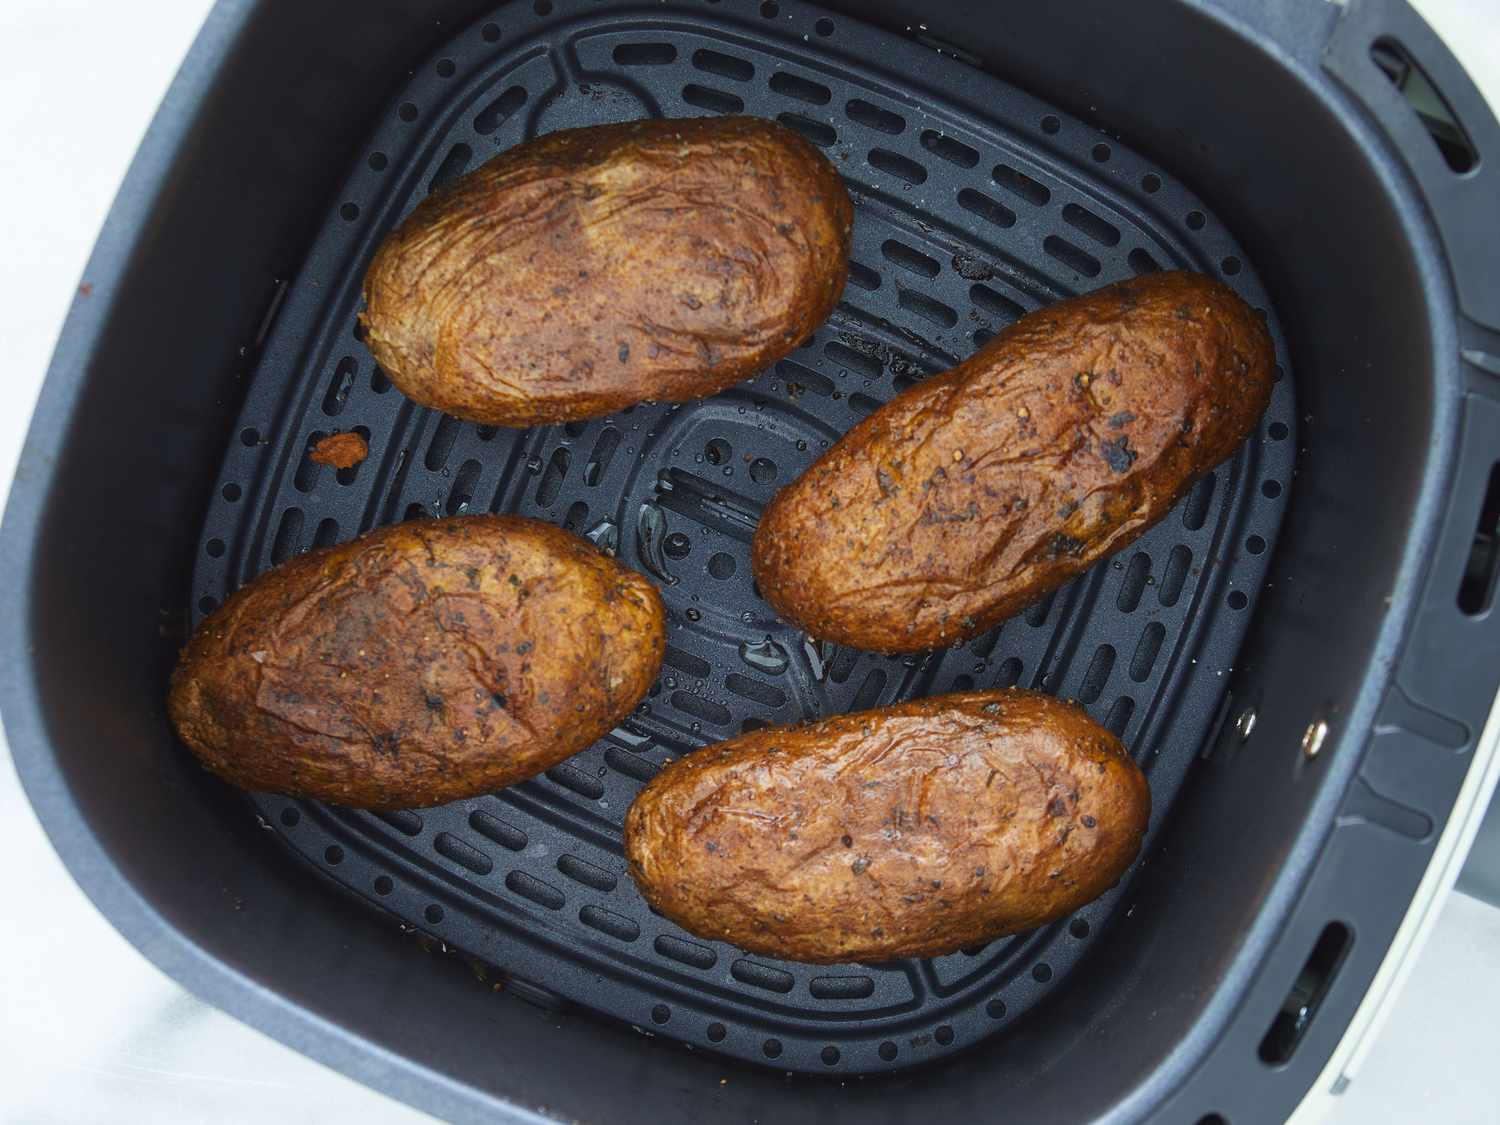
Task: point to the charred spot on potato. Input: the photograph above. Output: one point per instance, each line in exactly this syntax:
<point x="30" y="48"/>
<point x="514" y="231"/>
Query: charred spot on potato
<point x="1121" y="419"/>
<point x="1117" y="454"/>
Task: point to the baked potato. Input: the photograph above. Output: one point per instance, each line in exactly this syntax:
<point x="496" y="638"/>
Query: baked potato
<point x="907" y="831"/>
<point x="424" y="662"/>
<point x="972" y="494"/>
<point x="594" y="268"/>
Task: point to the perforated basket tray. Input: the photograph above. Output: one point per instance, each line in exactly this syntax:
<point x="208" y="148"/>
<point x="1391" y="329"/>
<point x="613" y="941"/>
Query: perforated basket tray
<point x="965" y="219"/>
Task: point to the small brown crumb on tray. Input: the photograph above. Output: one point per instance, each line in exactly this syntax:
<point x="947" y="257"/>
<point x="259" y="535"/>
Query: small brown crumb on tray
<point x="340" y="451"/>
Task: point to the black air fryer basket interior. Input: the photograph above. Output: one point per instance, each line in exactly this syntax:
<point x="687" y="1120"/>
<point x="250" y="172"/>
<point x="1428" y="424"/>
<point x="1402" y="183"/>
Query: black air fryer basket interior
<point x="1321" y="580"/>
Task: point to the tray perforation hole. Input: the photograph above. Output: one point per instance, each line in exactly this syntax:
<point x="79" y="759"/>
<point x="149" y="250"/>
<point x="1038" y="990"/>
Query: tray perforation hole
<point x="577" y="517"/>
<point x="308" y="470"/>
<point x="493" y="828"/>
<point x="1137" y="574"/>
<point x="499" y="111"/>
<point x="863" y="277"/>
<point x="946" y="148"/>
<point x="841" y="987"/>
<point x="1100" y="666"/>
<point x="461" y="495"/>
<point x="688" y="953"/>
<point x="928" y="308"/>
<point x="722" y="65"/>
<point x="874" y="117"/>
<point x="909" y="258"/>
<point x="1146" y="650"/>
<point x="1075" y="258"/>
<point x="1009" y="672"/>
<point x="553" y="475"/>
<point x="608" y="922"/>
<point x="444" y="434"/>
<point x="288" y="536"/>
<point x="757" y="975"/>
<point x="686" y="662"/>
<point x="818" y="132"/>
<point x="644" y="54"/>
<point x="859" y="362"/>
<point x="572" y="778"/>
<point x="988" y="209"/>
<point x="602" y="454"/>
<point x="757" y="691"/>
<point x="581" y="871"/>
<point x="1101" y="231"/>
<point x="466" y="855"/>
<point x="452" y="167"/>
<point x="1036" y="615"/>
<point x="1141" y="262"/>
<point x="801" y="378"/>
<point x="715" y="101"/>
<point x="996" y="304"/>
<point x="894" y="164"/>
<point x="802" y="89"/>
<point x="339" y="386"/>
<point x="403" y="821"/>
<point x="630" y="764"/>
<point x="1200" y="499"/>
<point x="535" y="890"/>
<point x="706" y="710"/>
<point x="1021" y="185"/>
<point x="1175" y="575"/>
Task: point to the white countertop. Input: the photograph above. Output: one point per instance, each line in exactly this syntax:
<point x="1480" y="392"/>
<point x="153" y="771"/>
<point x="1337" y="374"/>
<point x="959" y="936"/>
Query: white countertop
<point x="89" y="1030"/>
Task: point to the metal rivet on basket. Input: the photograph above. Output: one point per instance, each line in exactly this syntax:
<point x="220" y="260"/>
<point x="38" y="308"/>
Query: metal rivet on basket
<point x="1244" y="726"/>
<point x="1313" y="738"/>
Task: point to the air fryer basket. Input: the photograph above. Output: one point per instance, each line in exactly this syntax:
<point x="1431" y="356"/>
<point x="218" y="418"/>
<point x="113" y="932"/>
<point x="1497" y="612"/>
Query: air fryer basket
<point x="219" y="317"/>
<point x="962" y="224"/>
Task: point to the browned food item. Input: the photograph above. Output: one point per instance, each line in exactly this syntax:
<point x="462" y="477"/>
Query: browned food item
<point x="974" y="493"/>
<point x="907" y="831"/>
<point x="424" y="662"/>
<point x="594" y="268"/>
<point x="340" y="451"/>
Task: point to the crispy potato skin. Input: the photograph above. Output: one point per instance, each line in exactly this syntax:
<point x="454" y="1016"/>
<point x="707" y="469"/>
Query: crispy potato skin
<point x="974" y="493"/>
<point x="594" y="268"/>
<point x="425" y="662"/>
<point x="907" y="831"/>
